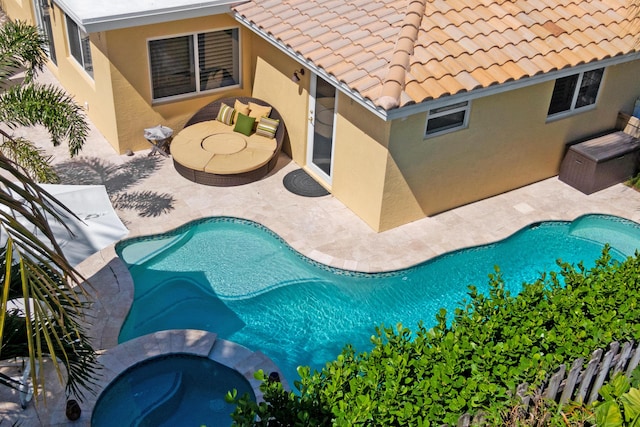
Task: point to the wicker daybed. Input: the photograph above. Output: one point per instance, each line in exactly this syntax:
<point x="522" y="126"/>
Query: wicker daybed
<point x="209" y="152"/>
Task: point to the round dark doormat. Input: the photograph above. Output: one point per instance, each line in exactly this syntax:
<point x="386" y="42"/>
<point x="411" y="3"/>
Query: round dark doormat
<point x="299" y="182"/>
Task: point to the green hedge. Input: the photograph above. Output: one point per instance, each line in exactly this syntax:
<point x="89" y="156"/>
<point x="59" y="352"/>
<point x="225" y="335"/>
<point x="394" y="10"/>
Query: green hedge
<point x="493" y="343"/>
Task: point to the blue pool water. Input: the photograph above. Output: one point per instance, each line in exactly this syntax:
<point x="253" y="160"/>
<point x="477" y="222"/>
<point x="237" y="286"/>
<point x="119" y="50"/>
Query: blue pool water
<point x="173" y="390"/>
<point x="238" y="279"/>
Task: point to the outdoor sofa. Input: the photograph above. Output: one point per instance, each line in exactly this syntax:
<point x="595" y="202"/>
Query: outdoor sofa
<point x="221" y="145"/>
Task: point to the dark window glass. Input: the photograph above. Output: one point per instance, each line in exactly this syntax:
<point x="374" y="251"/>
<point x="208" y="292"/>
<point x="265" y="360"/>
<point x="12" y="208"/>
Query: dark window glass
<point x="74" y="40"/>
<point x="589" y="88"/>
<point x="563" y="94"/>
<point x="217" y="59"/>
<point x="445" y="122"/>
<point x="173" y="63"/>
<point x="79" y="46"/>
<point x="172" y="68"/>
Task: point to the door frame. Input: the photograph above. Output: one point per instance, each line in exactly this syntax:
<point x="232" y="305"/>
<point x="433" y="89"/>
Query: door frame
<point x="311" y="113"/>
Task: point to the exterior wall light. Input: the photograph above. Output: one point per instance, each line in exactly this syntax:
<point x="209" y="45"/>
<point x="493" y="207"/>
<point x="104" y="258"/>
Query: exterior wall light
<point x="296" y="75"/>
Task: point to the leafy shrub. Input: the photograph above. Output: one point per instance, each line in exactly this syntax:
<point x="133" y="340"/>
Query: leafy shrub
<point x="634" y="182"/>
<point x="621" y="403"/>
<point x="493" y="343"/>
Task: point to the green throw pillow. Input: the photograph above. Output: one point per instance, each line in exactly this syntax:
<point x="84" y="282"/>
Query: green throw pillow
<point x="225" y="115"/>
<point x="244" y="124"/>
<point x="267" y="127"/>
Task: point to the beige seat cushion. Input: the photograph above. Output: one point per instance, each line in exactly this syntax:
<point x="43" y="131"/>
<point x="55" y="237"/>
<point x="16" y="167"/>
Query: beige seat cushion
<point x="258" y="142"/>
<point x="186" y="147"/>
<point x="214" y="147"/>
<point x="243" y="161"/>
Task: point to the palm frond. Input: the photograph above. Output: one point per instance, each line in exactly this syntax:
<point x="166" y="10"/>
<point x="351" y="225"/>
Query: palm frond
<point x="47" y="105"/>
<point x="35" y="271"/>
<point x="26" y="44"/>
<point x="31" y="158"/>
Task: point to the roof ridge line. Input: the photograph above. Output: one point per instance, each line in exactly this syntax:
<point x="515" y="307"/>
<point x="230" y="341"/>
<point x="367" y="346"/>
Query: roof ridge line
<point x="394" y="82"/>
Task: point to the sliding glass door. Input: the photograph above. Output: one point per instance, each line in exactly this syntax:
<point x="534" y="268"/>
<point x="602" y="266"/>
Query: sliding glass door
<point x="322" y="111"/>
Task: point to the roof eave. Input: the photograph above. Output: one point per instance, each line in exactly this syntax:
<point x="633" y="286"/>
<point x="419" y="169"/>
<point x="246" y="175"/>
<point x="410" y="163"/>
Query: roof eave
<point x="422" y="107"/>
<point x="409" y="110"/>
<point x="146" y="17"/>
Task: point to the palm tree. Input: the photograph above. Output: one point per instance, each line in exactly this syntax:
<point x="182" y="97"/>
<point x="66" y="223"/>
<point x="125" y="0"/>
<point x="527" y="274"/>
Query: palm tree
<point x="47" y="321"/>
<point x="24" y="102"/>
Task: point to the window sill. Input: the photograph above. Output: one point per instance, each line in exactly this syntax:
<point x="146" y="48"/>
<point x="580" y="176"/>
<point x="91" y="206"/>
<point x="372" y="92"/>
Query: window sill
<point x="193" y="95"/>
<point x="570" y="113"/>
<point x="444" y="132"/>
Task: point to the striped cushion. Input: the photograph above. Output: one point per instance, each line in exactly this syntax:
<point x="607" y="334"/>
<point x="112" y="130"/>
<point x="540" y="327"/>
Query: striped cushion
<point x="225" y="115"/>
<point x="267" y="127"/>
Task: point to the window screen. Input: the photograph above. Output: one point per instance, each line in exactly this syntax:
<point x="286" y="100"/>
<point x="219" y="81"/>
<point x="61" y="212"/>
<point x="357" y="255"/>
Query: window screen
<point x="194" y="63"/>
<point x="79" y="46"/>
<point x="575" y="91"/>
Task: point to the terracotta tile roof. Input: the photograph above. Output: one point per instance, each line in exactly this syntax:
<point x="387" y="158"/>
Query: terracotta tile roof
<point x="395" y="53"/>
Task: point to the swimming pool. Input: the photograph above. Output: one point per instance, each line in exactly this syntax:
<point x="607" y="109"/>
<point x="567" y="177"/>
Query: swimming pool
<point x="238" y="279"/>
<point x="170" y="390"/>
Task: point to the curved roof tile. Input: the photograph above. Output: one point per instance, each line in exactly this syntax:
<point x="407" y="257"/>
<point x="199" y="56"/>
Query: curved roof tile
<point x="402" y="52"/>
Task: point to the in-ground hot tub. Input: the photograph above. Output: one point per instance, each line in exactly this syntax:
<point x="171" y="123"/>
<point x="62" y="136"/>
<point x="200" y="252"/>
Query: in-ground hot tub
<point x="170" y="390"/>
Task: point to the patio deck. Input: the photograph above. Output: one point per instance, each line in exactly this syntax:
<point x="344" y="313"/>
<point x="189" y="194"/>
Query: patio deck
<point x="151" y="197"/>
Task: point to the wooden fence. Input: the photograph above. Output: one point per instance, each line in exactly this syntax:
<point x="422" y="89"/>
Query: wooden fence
<point x="578" y="384"/>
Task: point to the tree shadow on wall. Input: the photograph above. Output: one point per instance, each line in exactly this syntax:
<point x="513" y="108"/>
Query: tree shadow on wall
<point x="117" y="180"/>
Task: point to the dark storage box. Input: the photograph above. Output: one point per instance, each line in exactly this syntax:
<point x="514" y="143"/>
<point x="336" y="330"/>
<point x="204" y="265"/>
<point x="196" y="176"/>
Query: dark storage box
<point x="601" y="162"/>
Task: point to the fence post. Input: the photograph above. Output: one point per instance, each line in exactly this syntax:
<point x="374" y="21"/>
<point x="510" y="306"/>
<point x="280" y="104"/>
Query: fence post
<point x="634" y="361"/>
<point x="572" y="378"/>
<point x="587" y="376"/>
<point x="554" y="383"/>
<point x="604" y="370"/>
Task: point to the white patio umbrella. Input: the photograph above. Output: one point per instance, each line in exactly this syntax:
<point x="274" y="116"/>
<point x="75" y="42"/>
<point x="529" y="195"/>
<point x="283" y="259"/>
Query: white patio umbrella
<point x="98" y="227"/>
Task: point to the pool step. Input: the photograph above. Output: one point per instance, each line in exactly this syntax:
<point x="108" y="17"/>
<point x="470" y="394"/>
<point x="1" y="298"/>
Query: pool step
<point x="146" y="251"/>
<point x="160" y="290"/>
<point x="167" y="402"/>
<point x="603" y="230"/>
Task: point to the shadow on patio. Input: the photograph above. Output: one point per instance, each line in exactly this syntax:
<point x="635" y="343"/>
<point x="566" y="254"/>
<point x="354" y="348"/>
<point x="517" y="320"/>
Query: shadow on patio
<point x="118" y="179"/>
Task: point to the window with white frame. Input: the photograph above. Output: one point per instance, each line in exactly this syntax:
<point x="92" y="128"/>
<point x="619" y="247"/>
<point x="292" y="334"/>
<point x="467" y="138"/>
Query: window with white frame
<point x="79" y="45"/>
<point x="448" y="118"/>
<point x="194" y="63"/>
<point x="575" y="92"/>
<point x="42" y="12"/>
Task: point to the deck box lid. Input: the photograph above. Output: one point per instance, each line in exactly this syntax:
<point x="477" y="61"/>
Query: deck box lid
<point x="607" y="147"/>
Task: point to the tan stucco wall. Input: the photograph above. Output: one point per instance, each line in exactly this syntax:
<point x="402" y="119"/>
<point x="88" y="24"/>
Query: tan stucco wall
<point x="94" y="94"/>
<point x="272" y="71"/>
<point x="129" y="68"/>
<point x="360" y="160"/>
<point x="508" y="144"/>
<point x="18" y="10"/>
<point x="118" y="96"/>
<point x="360" y="154"/>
